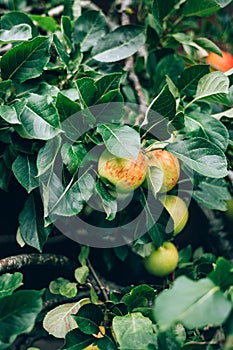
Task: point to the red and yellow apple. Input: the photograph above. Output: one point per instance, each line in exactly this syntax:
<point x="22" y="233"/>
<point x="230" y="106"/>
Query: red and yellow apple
<point x="163" y="260"/>
<point x="178" y="210"/>
<point x="222" y="63"/>
<point x="169" y="165"/>
<point x="122" y="175"/>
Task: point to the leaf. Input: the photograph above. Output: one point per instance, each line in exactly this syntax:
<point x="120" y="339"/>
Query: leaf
<point x="212" y="193"/>
<point x="154" y="179"/>
<point x="195" y="304"/>
<point x="13" y="18"/>
<point x="200" y="8"/>
<point x="119" y="44"/>
<point x="47" y="23"/>
<point x="108" y="201"/>
<point x="63" y="313"/>
<point x="69" y="290"/>
<point x="161" y="110"/>
<point x="89" y="318"/>
<point x="25" y="171"/>
<point x="88" y="29"/>
<point x="201" y="155"/>
<point x="139" y="296"/>
<point x="8" y="113"/>
<point x="83" y="255"/>
<point x="205" y="126"/>
<point x="106" y="83"/>
<point x="188" y="80"/>
<point x="120" y="140"/>
<point x="26" y="61"/>
<point x="227" y="114"/>
<point x="213" y="87"/>
<point x="222" y="275"/>
<point x="55" y="286"/>
<point x="46" y="159"/>
<point x="81" y="274"/>
<point x="61" y="50"/>
<point x="9" y="282"/>
<point x="31" y="224"/>
<point x="72" y="156"/>
<point x="39" y="118"/>
<point x="208" y="45"/>
<point x="18" y="310"/>
<point x="133" y="331"/>
<point x="77" y="340"/>
<point x="20" y="32"/>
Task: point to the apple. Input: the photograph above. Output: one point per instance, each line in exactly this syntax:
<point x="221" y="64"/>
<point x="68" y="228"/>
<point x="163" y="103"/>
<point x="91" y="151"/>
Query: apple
<point x="178" y="210"/>
<point x="169" y="165"/>
<point x="122" y="175"/>
<point x="229" y="212"/>
<point x="223" y="63"/>
<point x="163" y="260"/>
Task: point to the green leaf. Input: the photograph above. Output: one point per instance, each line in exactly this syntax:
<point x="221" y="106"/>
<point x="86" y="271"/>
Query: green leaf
<point x="55" y="286"/>
<point x="31" y="224"/>
<point x="90" y="27"/>
<point x="222" y="275"/>
<point x="213" y="87"/>
<point x="81" y="274"/>
<point x="9" y="282"/>
<point x="119" y="44"/>
<point x="20" y="32"/>
<point x="188" y="80"/>
<point x="208" y="45"/>
<point x="195" y="304"/>
<point x="39" y="118"/>
<point x="161" y="9"/>
<point x="66" y="107"/>
<point x="25" y="171"/>
<point x="26" y="61"/>
<point x="72" y="156"/>
<point x="120" y="140"/>
<point x="5" y="85"/>
<point x="61" y="50"/>
<point x="161" y="110"/>
<point x="11" y="19"/>
<point x="108" y="201"/>
<point x="205" y="126"/>
<point x="89" y="318"/>
<point x="83" y="255"/>
<point x="46" y="158"/>
<point x="77" y="340"/>
<point x="201" y="155"/>
<point x="134" y="331"/>
<point x="64" y="313"/>
<point x="18" y="310"/>
<point x="8" y="113"/>
<point x="47" y="23"/>
<point x="121" y="252"/>
<point x="139" y="296"/>
<point x="69" y="290"/>
<point x="227" y="114"/>
<point x="212" y="193"/>
<point x="106" y="83"/>
<point x="200" y="8"/>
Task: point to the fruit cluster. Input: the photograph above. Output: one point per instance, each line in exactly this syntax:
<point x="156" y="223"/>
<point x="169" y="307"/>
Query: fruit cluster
<point x="154" y="169"/>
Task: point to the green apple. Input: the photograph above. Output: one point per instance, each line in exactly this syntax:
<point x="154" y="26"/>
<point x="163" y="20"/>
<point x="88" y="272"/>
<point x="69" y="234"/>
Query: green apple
<point x="178" y="210"/>
<point x="169" y="165"/>
<point x="162" y="261"/>
<point x="122" y="175"/>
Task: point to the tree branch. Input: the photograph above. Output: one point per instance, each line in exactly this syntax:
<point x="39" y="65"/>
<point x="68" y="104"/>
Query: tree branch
<point x="18" y="261"/>
<point x="98" y="281"/>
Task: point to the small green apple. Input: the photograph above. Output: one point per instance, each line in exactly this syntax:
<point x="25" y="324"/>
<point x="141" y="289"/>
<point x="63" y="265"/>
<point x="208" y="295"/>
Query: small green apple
<point x="122" y="175"/>
<point x="169" y="165"/>
<point x="178" y="210"/>
<point x="163" y="260"/>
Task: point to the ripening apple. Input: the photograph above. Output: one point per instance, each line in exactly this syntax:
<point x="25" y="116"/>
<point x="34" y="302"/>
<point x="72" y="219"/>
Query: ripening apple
<point x="163" y="260"/>
<point x="223" y="63"/>
<point x="122" y="175"/>
<point x="169" y="165"/>
<point x="178" y="210"/>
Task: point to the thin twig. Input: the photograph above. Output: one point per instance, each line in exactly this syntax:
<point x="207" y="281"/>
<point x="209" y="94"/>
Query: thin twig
<point x="18" y="261"/>
<point x="98" y="281"/>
